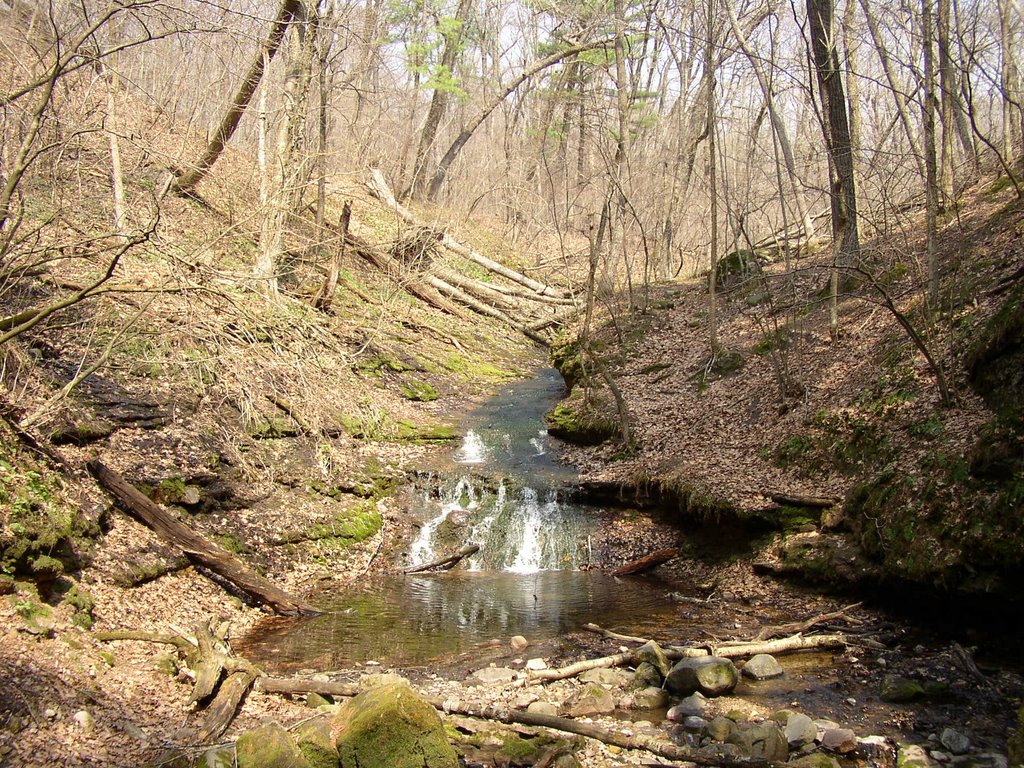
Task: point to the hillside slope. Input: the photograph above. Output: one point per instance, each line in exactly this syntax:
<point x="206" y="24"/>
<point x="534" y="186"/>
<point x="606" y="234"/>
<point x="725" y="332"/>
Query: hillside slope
<point x="923" y="492"/>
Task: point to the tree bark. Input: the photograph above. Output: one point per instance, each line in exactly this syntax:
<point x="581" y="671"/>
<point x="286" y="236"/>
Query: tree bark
<point x="835" y="129"/>
<point x="646" y="562"/>
<point x="198" y="549"/>
<point x="447" y="562"/>
<point x="325" y="297"/>
<point x="240" y="102"/>
<point x="438" y="101"/>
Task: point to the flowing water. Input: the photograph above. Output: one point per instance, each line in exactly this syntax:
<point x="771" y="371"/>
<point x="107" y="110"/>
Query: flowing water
<point x="503" y="489"/>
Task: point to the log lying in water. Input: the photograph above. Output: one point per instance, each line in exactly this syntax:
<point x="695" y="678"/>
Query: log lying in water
<point x="646" y="562"/>
<point x="446" y="563"/>
<point x="196" y="548"/>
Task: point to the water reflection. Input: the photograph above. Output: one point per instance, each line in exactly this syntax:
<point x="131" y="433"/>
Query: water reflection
<point x="409" y="620"/>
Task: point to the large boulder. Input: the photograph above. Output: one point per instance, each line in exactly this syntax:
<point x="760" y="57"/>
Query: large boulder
<point x="269" y="746"/>
<point x="315" y="742"/>
<point x="391" y="727"/>
<point x="710" y="675"/>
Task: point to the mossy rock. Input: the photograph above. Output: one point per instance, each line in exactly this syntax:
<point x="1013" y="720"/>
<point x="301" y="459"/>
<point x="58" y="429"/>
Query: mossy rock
<point x="44" y="533"/>
<point x="82" y="431"/>
<point x="316" y="743"/>
<point x="995" y="362"/>
<point x="735" y="267"/>
<point x="418" y="391"/>
<point x="580" y="424"/>
<point x="269" y="746"/>
<point x="406" y="430"/>
<point x="391" y="727"/>
<point x="710" y="675"/>
<point x="568" y="359"/>
<point x="901" y="690"/>
<point x="271" y="428"/>
<point x="217" y="757"/>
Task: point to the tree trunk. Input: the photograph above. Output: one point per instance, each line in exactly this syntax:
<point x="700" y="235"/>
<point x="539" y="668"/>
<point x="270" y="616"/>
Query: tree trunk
<point x="467" y="132"/>
<point x="287" y="164"/>
<point x="196" y="548"/>
<point x="931" y="174"/>
<point x="325" y="297"/>
<point x="188" y="180"/>
<point x="835" y="128"/>
<point x="438" y="101"/>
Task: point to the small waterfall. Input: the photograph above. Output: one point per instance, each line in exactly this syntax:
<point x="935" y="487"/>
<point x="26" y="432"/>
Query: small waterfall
<point x="462" y="498"/>
<point x="472" y="451"/>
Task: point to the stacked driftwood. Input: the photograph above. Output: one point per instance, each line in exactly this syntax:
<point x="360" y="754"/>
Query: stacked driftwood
<point x="414" y="259"/>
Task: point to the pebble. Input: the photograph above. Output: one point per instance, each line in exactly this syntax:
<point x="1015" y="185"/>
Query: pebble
<point x="851" y="701"/>
<point x="536" y="665"/>
<point x="518" y="643"/>
<point x="84" y="720"/>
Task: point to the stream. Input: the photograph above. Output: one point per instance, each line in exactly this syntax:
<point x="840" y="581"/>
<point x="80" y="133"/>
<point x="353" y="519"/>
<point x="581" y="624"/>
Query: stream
<point x="502" y="488"/>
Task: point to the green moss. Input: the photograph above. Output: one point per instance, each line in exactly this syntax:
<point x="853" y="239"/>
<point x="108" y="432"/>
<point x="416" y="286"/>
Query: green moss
<point x="79" y="598"/>
<point x="735" y="267"/>
<point x="391" y="727"/>
<point x="582" y="423"/>
<point x="44" y="533"/>
<point x="231" y="542"/>
<point x="272" y="427"/>
<point x="418" y="391"/>
<point x="269" y="746"/>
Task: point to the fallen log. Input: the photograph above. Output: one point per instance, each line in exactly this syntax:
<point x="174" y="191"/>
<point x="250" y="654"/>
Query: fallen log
<point x="445" y="562"/>
<point x="644" y="742"/>
<point x="645" y="563"/>
<point x="782" y="630"/>
<point x="196" y="548"/>
<point x="641" y="741"/>
<point x="222" y="710"/>
<point x="378" y="187"/>
<point x="675" y="653"/>
<point x="607" y="633"/>
<point x="797" y="500"/>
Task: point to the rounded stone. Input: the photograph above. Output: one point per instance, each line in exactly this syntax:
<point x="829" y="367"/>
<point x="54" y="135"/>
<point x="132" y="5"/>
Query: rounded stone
<point x="710" y="675"/>
<point x="763" y="666"/>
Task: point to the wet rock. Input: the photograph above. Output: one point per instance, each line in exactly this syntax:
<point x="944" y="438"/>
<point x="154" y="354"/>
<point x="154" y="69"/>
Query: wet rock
<point x="592" y="699"/>
<point x="493" y="676"/>
<point x="650" y="698"/>
<point x="710" y="675"/>
<point x="542" y="708"/>
<point x="814" y="760"/>
<point x="876" y="751"/>
<point x="900" y="690"/>
<point x="652" y="653"/>
<point x="763" y="666"/>
<point x="269" y="746"/>
<point x="391" y="727"/>
<point x="761" y="741"/>
<point x="800" y="730"/>
<point x="313" y="738"/>
<point x="519" y="643"/>
<point x="720" y="728"/>
<point x="646" y="675"/>
<point x="840" y="740"/>
<point x="695" y="724"/>
<point x="913" y="756"/>
<point x="695" y="705"/>
<point x="954" y="741"/>
<point x="609" y="678"/>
